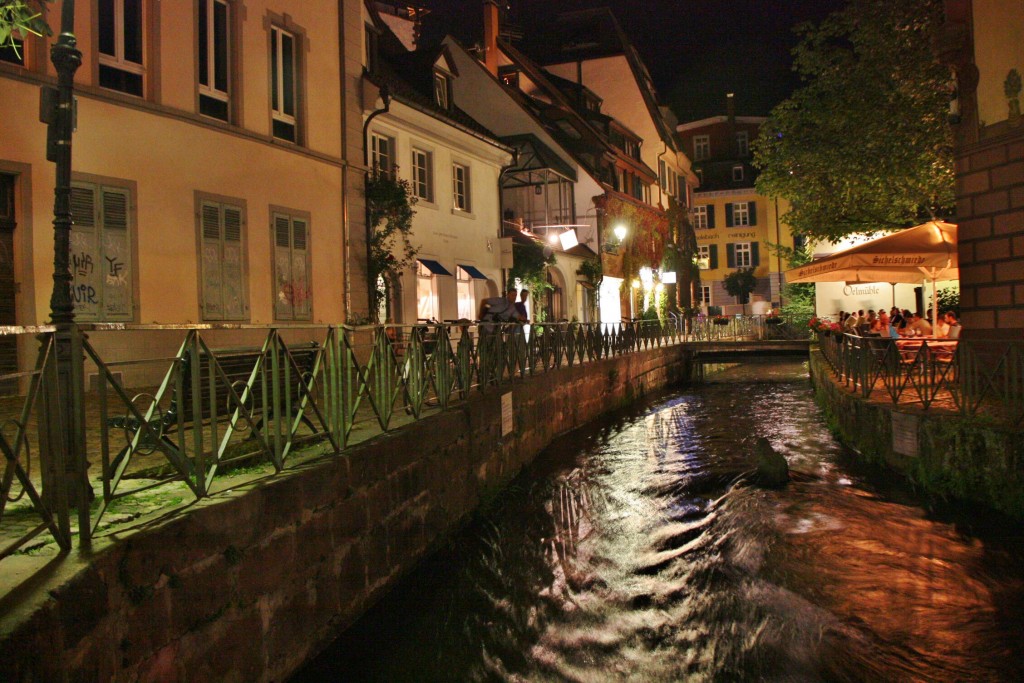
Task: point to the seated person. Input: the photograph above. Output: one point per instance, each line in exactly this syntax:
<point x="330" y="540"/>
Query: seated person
<point x="953" y="324"/>
<point x="919" y="326"/>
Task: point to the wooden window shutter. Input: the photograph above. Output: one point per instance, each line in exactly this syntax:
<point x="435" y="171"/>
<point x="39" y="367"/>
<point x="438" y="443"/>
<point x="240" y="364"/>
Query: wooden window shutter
<point x="714" y="256"/>
<point x="730" y="255"/>
<point x="283" y="268"/>
<point x="300" y="271"/>
<point x="233" y="281"/>
<point x="85" y="268"/>
<point x="728" y="215"/>
<point x="752" y="212"/>
<point x="711" y="215"/>
<point x="117" y="255"/>
<point x="213" y="277"/>
<point x="755" y="258"/>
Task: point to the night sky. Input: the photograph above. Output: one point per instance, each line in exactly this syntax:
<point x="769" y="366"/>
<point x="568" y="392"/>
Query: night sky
<point x="696" y="50"/>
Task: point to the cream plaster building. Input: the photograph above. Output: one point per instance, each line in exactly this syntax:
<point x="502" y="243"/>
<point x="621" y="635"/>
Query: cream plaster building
<point x="453" y="165"/>
<point x="211" y="179"/>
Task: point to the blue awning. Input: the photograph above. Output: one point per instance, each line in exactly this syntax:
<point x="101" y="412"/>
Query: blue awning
<point x="434" y="267"/>
<point x="473" y="272"/>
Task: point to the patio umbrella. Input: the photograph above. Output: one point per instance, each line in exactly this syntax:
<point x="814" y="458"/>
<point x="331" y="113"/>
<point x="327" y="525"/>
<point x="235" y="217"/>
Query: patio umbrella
<point x="926" y="251"/>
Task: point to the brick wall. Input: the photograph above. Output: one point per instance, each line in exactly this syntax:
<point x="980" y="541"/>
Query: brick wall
<point x="990" y="211"/>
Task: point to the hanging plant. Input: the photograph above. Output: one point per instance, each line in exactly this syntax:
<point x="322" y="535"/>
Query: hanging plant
<point x="389" y="202"/>
<point x="530" y="264"/>
<point x="649" y="232"/>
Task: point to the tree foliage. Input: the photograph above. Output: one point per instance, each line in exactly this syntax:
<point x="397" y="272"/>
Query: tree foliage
<point x="530" y="263"/>
<point x="18" y="18"/>
<point x="389" y="202"/>
<point x="864" y="144"/>
<point x="740" y="283"/>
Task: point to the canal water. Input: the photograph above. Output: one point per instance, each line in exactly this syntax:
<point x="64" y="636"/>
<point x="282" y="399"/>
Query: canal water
<point x="637" y="550"/>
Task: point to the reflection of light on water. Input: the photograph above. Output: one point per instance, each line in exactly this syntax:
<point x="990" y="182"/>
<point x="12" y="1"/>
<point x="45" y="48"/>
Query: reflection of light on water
<point x="633" y="556"/>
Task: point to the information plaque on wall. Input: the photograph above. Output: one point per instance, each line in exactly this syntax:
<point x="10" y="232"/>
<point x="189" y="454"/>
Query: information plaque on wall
<point x="904" y="434"/>
<point x="506" y="414"/>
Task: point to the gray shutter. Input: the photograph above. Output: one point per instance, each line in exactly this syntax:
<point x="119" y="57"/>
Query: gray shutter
<point x="730" y="255"/>
<point x="284" y="286"/>
<point x="714" y="256"/>
<point x="117" y="280"/>
<point x="233" y="292"/>
<point x="728" y="215"/>
<point x="752" y="211"/>
<point x="213" y="278"/>
<point x="302" y="304"/>
<point x="84" y="255"/>
<point x="755" y="258"/>
<point x="711" y="215"/>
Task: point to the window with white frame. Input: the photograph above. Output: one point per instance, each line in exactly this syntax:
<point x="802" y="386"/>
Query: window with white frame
<point x="704" y="256"/>
<point x="293" y="297"/>
<point x="214" y="38"/>
<point x="740" y="214"/>
<point x="284" y="86"/>
<point x="121" y="45"/>
<point x="701" y="147"/>
<point x="101" y="255"/>
<point x="426" y="294"/>
<point x="705" y="294"/>
<point x="13" y="51"/>
<point x="423" y="174"/>
<point x="662" y="175"/>
<point x="742" y="143"/>
<point x="700" y="216"/>
<point x="743" y="257"/>
<point x="737" y="173"/>
<point x="442" y="90"/>
<point x="222" y="261"/>
<point x="700" y="176"/>
<point x="460" y="187"/>
<point x="382" y="153"/>
<point x="467" y="301"/>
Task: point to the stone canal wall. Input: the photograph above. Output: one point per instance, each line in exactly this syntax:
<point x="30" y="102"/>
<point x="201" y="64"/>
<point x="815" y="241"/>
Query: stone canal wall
<point x="945" y="454"/>
<point x="247" y="586"/>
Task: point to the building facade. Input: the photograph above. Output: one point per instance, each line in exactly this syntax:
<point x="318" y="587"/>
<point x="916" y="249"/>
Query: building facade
<point x="983" y="42"/>
<point x="452" y="164"/>
<point x="734" y="225"/>
<point x="210" y="164"/>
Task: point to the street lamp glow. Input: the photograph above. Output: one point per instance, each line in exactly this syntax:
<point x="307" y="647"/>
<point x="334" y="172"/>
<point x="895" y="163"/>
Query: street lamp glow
<point x="620" y="232"/>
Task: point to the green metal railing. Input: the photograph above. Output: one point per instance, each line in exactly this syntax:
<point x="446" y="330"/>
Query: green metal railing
<point x="207" y="399"/>
<point x="981" y="379"/>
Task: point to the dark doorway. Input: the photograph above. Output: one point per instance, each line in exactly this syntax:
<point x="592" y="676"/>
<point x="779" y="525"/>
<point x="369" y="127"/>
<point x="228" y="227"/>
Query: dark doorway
<point x="8" y="343"/>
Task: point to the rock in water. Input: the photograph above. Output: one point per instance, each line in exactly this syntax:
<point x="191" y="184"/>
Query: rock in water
<point x="772" y="469"/>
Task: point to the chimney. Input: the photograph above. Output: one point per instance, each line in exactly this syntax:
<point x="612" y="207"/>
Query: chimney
<point x="491" y="36"/>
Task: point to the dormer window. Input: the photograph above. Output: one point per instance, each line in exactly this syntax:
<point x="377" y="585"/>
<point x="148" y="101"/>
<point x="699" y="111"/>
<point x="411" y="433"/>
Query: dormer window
<point x="442" y="90"/>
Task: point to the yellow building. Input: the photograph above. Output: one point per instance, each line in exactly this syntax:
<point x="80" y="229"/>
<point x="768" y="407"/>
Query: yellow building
<point x="210" y="164"/>
<point x="734" y="224"/>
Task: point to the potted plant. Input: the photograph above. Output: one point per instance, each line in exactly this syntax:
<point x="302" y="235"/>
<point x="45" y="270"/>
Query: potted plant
<point x="720" y="320"/>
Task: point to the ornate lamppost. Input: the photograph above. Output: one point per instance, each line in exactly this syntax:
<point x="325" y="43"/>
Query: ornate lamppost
<point x="63" y="401"/>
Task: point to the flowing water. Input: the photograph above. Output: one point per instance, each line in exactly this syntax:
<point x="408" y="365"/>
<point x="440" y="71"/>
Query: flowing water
<point x="636" y="550"/>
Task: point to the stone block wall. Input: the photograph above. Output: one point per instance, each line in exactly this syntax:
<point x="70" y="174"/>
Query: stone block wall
<point x="990" y="212"/>
<point x="247" y="586"/>
<point x="956" y="458"/>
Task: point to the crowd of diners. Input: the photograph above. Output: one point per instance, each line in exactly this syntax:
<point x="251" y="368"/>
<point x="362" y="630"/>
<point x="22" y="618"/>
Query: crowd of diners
<point x="899" y="324"/>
